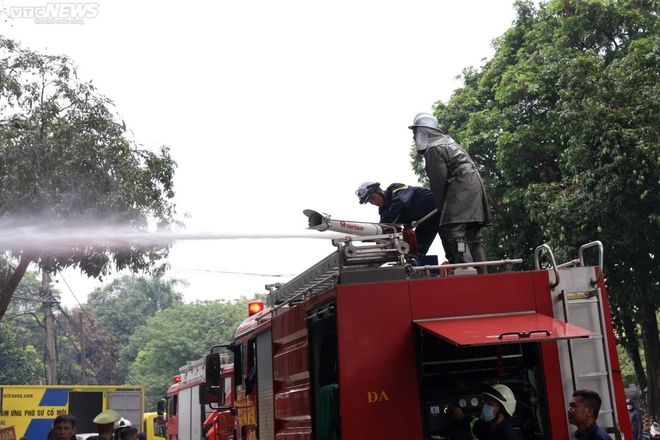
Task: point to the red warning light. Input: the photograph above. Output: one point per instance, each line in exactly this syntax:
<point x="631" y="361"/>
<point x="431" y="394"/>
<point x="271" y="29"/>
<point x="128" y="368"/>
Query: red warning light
<point x="177" y="378"/>
<point x="255" y="307"/>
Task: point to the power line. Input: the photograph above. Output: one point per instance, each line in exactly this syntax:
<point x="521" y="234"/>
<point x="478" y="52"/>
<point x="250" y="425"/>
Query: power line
<point x="71" y="341"/>
<point x="74" y="324"/>
<point x="129" y="377"/>
<point x="227" y="272"/>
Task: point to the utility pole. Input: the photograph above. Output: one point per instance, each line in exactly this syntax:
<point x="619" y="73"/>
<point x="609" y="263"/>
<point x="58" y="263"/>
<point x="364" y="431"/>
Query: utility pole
<point x="51" y="364"/>
<point x="83" y="360"/>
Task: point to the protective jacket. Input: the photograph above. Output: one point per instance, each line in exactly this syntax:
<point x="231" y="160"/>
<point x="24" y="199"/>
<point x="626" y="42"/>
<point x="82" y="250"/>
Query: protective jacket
<point x="455" y="181"/>
<point x="405" y="204"/>
<point x="483" y="430"/>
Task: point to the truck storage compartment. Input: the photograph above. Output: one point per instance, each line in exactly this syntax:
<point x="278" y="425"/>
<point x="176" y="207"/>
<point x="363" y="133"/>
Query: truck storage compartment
<point x="457" y="375"/>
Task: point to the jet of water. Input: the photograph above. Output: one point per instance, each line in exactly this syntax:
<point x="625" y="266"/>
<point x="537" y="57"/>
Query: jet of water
<point x="54" y="240"/>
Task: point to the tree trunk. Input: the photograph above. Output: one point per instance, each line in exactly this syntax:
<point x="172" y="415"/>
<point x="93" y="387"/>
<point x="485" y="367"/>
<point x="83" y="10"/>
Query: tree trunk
<point x="8" y="285"/>
<point x="652" y="352"/>
<point x="632" y="347"/>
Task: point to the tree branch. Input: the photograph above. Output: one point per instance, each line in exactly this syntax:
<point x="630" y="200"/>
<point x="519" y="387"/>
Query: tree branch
<point x="9" y="286"/>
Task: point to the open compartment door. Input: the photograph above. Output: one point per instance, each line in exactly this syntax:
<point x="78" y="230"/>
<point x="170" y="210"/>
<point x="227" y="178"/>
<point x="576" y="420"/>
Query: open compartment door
<point x="502" y="329"/>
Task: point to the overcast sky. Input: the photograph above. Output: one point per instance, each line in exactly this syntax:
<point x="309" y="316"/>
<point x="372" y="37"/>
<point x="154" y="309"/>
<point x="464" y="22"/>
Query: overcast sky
<point x="269" y="108"/>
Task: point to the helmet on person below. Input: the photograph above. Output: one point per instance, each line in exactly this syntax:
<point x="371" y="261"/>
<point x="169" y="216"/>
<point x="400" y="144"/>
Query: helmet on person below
<point x="365" y="191"/>
<point x="425" y="120"/>
<point x="504" y="395"/>
<point x="122" y="423"/>
<point x="629" y="401"/>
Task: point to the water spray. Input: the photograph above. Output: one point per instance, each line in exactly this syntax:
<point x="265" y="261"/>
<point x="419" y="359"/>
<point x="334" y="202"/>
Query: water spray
<point x="54" y="240"/>
<point x="44" y="239"/>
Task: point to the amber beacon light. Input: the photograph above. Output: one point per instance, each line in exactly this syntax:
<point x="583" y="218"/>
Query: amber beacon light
<point x="255" y="307"/>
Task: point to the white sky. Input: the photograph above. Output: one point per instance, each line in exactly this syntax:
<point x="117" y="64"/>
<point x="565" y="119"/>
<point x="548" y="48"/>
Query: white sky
<point x="269" y="108"/>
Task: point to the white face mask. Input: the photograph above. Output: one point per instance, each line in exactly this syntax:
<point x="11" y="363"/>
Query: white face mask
<point x="487" y="413"/>
<point x="630" y="407"/>
<point x="421" y="140"/>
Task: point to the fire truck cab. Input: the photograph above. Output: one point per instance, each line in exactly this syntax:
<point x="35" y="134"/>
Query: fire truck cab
<point x="366" y="345"/>
<point x="193" y="411"/>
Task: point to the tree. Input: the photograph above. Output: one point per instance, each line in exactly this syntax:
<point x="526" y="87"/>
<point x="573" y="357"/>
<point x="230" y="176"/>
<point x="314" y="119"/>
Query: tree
<point x="17" y="366"/>
<point x="179" y="334"/>
<point x="25" y="319"/>
<point x="127" y="302"/>
<point x="564" y="121"/>
<point x="102" y="349"/>
<point x="67" y="165"/>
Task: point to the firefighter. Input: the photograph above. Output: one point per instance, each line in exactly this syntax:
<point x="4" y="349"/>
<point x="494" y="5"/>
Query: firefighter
<point x="457" y="189"/>
<point x="404" y="204"/>
<point x="128" y="432"/>
<point x="496" y="412"/>
<point x="119" y="425"/>
<point x="582" y="412"/>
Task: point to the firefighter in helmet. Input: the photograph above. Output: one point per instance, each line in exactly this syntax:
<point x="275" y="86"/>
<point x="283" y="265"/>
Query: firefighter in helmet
<point x="404" y="204"/>
<point x="496" y="412"/>
<point x="119" y="425"/>
<point x="457" y="189"/>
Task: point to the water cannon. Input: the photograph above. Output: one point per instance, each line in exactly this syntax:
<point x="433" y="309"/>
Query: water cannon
<point x="323" y="222"/>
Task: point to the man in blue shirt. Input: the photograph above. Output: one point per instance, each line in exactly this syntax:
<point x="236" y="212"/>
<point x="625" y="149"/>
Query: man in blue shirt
<point x="583" y="412"/>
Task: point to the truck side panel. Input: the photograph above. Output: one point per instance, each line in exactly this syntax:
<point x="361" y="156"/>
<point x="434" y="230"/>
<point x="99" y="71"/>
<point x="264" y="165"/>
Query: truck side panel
<point x="291" y="375"/>
<point x="265" y="387"/>
<point x="433" y="298"/>
<point x="33" y="408"/>
<point x="189" y="414"/>
<point x="128" y="404"/>
<point x="377" y="375"/>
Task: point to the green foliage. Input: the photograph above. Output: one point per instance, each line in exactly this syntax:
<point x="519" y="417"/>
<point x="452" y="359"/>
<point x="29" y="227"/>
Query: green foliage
<point x="179" y="334"/>
<point x="627" y="368"/>
<point x="17" y="364"/>
<point x="127" y="302"/>
<point x="66" y="163"/>
<point x="123" y="305"/>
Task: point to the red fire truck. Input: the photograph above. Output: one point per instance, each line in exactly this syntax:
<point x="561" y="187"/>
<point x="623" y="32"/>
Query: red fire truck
<point x="370" y="343"/>
<point x="190" y="401"/>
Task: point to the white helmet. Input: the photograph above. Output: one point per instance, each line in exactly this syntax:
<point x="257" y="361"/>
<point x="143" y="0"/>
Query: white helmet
<point x="504" y="395"/>
<point x="655" y="429"/>
<point x="122" y="422"/>
<point x="365" y="191"/>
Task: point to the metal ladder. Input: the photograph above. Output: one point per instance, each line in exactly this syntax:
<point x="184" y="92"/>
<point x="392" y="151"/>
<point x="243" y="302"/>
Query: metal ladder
<point x="578" y="300"/>
<point x="379" y="250"/>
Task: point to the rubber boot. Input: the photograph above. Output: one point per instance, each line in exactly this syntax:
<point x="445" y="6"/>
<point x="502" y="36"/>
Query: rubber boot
<point x="477" y="248"/>
<point x="479" y="254"/>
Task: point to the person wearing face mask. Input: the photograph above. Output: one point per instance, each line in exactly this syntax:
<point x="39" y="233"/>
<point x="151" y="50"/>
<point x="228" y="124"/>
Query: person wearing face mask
<point x="495" y="420"/>
<point x="635" y="420"/>
<point x="457" y="189"/>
